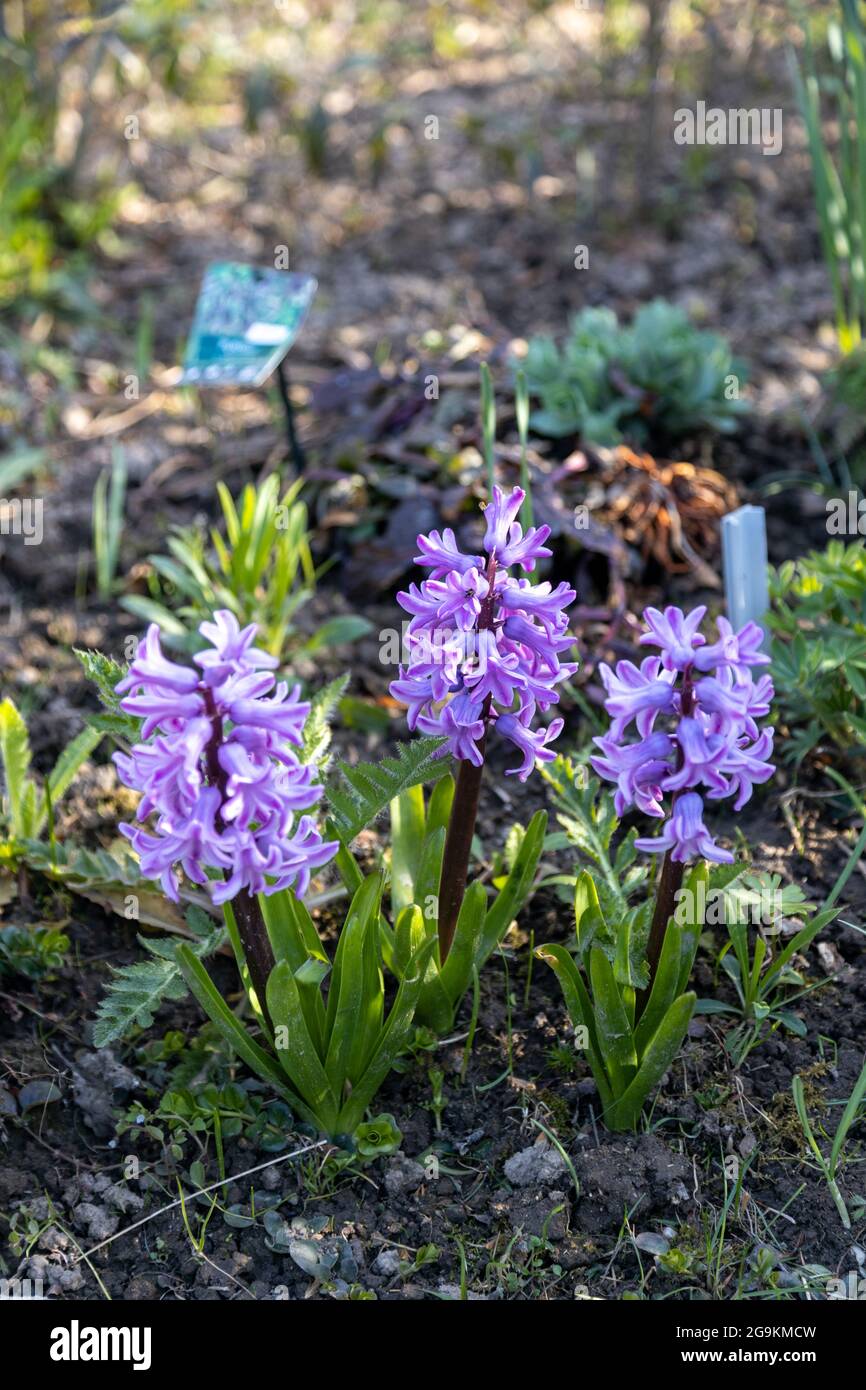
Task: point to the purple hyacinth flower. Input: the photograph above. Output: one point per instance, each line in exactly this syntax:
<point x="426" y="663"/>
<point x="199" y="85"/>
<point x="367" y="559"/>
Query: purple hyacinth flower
<point x="501" y="514"/>
<point x="504" y="535"/>
<point x="481" y="641"/>
<point x="701" y="754"/>
<point x="531" y="742"/>
<point x="414" y="692"/>
<point x="152" y="670"/>
<point x="709" y="704"/>
<point x="194" y="842"/>
<point x="220" y="776"/>
<point x="676" y="634"/>
<point x="540" y="602"/>
<point x="686" y="836"/>
<point x="462" y="722"/>
<point x="638" y="770"/>
<point x="441" y="555"/>
<point x="231" y="650"/>
<point x="636" y="693"/>
<point x="497" y="672"/>
<point x="736" y="705"/>
<point x="738" y="650"/>
<point x="746" y="767"/>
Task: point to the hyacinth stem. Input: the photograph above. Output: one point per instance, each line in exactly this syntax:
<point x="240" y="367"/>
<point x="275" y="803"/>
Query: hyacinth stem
<point x="257" y="947"/>
<point x="248" y="916"/>
<point x="458" y="846"/>
<point x="464" y="808"/>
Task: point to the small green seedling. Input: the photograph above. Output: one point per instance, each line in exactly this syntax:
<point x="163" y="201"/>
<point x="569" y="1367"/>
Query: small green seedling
<point x="830" y="1166"/>
<point x="766" y="984"/>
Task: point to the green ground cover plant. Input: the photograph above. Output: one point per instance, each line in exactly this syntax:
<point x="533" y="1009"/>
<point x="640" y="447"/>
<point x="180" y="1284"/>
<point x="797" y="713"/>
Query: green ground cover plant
<point x="652" y="381"/>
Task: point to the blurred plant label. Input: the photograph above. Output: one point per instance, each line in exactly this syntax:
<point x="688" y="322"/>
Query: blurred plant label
<point x="246" y="319"/>
<point x="744" y="560"/>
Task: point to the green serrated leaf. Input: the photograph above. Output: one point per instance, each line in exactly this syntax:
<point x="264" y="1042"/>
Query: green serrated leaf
<point x="137" y="991"/>
<point x="366" y="789"/>
<point x="317" y="728"/>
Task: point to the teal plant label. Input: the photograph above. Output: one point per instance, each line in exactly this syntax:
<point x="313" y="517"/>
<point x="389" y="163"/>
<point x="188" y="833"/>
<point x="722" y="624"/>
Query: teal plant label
<point x="246" y="319"/>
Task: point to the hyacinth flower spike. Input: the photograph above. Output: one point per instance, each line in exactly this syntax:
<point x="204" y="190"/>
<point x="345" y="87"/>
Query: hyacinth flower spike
<point x="683" y="734"/>
<point x="224" y="796"/>
<point x="485" y="656"/>
<point x="221" y="781"/>
<point x="693" y="709"/>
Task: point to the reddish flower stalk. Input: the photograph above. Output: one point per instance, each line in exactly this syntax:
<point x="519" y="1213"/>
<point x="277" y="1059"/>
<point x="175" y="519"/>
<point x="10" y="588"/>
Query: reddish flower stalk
<point x="248" y="917"/>
<point x="464" y="809"/>
<point x="484" y="653"/>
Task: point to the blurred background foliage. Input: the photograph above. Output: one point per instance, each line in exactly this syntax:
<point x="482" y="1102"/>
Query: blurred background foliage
<point x="142" y="136"/>
<point x="76" y="74"/>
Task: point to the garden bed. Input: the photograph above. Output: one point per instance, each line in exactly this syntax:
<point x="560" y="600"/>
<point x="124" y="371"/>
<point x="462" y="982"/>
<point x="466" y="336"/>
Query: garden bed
<point x="504" y="1182"/>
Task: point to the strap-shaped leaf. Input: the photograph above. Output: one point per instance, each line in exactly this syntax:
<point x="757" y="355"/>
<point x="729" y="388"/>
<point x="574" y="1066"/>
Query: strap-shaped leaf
<point x="294" y="939"/>
<point x="410" y="933"/>
<point x="150" y="611"/>
<point x="683" y="930"/>
<point x="386" y="944"/>
<point x="615" y="1036"/>
<point x="440" y="803"/>
<point x="244" y="970"/>
<point x="365" y="899"/>
<point x="429" y="872"/>
<point x="664" y="987"/>
<point x="64" y="770"/>
<point x="588" y="916"/>
<point x="291" y="930"/>
<point x="218" y="1011"/>
<point x="798" y="943"/>
<point x="407" y="838"/>
<point x="374" y="1000"/>
<point x="444" y="988"/>
<point x="356" y="998"/>
<point x="393" y="1038"/>
<point x="515" y="890"/>
<point x="757" y="963"/>
<point x="456" y="973"/>
<point x="580" y="1011"/>
<point x="15" y="757"/>
<point x="624" y="963"/>
<point x="691" y="921"/>
<point x="657" y="1058"/>
<point x="849" y="1115"/>
<point x="296" y="1050"/>
<point x="347" y="867"/>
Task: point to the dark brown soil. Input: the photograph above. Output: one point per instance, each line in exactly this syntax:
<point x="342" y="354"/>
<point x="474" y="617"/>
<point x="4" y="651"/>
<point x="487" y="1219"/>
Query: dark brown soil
<point x="63" y="1186"/>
